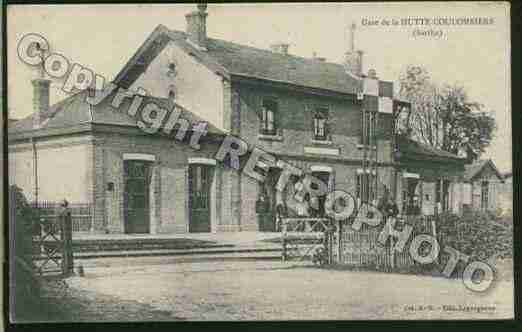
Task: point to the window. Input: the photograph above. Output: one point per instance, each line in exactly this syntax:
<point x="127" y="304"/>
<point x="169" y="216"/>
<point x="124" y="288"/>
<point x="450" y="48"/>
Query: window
<point x="199" y="182"/>
<point x="401" y="115"/>
<point x="484" y="197"/>
<point x="368" y="128"/>
<point x="365" y="187"/>
<point x="325" y="178"/>
<point x="171" y="92"/>
<point x="437" y="192"/>
<point x="321" y="124"/>
<point x="445" y="195"/>
<point x="268" y="117"/>
<point x="411" y="200"/>
<point x="172" y="70"/>
<point x="442" y="195"/>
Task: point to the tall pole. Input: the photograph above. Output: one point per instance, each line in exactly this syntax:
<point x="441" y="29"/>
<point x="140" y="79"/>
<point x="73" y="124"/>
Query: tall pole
<point x="41" y="54"/>
<point x="35" y="172"/>
<point x="376" y="155"/>
<point x="365" y="138"/>
<point x="351" y="40"/>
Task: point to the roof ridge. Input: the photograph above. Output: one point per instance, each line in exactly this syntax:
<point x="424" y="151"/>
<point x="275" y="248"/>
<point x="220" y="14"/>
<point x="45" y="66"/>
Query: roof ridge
<point x="265" y="50"/>
<point x="226" y="58"/>
<point x="476" y="167"/>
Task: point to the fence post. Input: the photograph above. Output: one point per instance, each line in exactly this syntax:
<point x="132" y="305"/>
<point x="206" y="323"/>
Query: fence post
<point x="391" y="249"/>
<point x="339" y="245"/>
<point x="434" y="223"/>
<point x="284" y="254"/>
<point x="330" y="242"/>
<point x="67" y="250"/>
<point x="329" y="237"/>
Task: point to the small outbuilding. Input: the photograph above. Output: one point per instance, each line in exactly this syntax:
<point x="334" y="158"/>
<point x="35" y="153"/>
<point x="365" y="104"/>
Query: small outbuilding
<point x="481" y="185"/>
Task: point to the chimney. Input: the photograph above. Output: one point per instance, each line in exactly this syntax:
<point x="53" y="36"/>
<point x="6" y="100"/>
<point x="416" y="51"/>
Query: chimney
<point x="197" y="27"/>
<point x="372" y="74"/>
<point x="471" y="156"/>
<point x="281" y="48"/>
<point x="318" y="58"/>
<point x="40" y="100"/>
<point x="353" y="58"/>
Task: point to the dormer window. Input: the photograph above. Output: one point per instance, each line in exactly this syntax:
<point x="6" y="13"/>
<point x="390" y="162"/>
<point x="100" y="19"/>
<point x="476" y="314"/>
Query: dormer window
<point x="321" y="124"/>
<point x="172" y="69"/>
<point x="171" y="92"/>
<point x="268" y="116"/>
<point x="484" y="195"/>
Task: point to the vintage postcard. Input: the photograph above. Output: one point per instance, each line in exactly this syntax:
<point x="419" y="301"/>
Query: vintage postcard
<point x="274" y="161"/>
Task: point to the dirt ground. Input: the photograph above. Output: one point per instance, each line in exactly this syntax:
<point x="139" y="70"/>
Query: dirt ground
<point x="154" y="289"/>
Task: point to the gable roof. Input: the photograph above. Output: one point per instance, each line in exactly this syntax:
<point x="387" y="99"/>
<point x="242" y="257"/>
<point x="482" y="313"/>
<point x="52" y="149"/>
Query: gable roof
<point x="473" y="170"/>
<point x="75" y="110"/>
<point x="230" y="59"/>
<point x="412" y="149"/>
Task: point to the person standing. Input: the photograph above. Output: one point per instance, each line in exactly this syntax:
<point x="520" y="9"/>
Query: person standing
<point x="387" y="205"/>
<point x="390" y="208"/>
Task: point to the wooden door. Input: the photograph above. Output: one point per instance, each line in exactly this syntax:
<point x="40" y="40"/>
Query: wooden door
<point x="269" y="218"/>
<point x="137" y="175"/>
<point x="200" y="180"/>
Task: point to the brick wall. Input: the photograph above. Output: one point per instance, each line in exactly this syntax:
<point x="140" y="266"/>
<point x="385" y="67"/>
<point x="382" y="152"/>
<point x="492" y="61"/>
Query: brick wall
<point x="169" y="183"/>
<point x="173" y="215"/>
<point x="229" y="217"/>
<point x="249" y="195"/>
<point x="295" y="120"/>
<point x="295" y="117"/>
<point x="98" y="191"/>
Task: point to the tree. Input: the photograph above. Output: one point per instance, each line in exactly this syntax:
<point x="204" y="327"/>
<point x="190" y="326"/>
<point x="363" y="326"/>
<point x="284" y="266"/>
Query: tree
<point x="422" y="122"/>
<point x="466" y="127"/>
<point x="444" y="118"/>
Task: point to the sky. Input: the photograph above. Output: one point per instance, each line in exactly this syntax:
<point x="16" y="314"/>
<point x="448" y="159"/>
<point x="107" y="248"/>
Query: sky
<point x="104" y="37"/>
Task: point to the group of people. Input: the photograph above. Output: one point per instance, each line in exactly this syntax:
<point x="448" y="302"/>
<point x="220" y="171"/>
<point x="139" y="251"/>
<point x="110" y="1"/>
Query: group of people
<point x="313" y="206"/>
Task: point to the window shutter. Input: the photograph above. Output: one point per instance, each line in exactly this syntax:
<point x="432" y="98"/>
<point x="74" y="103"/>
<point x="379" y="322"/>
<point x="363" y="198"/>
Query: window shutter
<point x="260" y="115"/>
<point x="278" y="121"/>
<point x="328" y="128"/>
<point x="358" y="186"/>
<point x="309" y="114"/>
<point x="325" y="114"/>
<point x="331" y="182"/>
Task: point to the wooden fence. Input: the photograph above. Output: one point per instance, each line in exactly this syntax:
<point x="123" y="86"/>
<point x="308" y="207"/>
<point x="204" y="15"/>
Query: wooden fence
<point x="301" y="237"/>
<point x="360" y="248"/>
<point x="81" y="214"/>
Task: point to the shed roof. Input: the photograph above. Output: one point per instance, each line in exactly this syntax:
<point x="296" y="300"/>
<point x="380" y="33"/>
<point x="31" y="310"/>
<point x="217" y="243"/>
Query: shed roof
<point x="412" y="149"/>
<point x="473" y="170"/>
<point x="75" y="110"/>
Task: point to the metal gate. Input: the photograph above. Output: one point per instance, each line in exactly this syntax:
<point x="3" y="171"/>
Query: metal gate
<point x="47" y="246"/>
<point x="52" y="250"/>
<point x="40" y="243"/>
